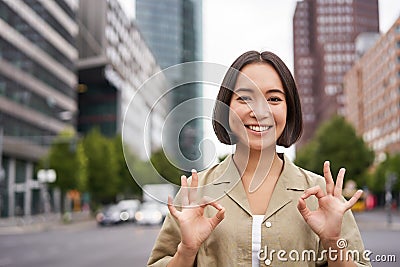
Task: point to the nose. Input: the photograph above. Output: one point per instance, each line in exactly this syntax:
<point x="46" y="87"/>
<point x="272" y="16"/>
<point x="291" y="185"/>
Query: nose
<point x="260" y="110"/>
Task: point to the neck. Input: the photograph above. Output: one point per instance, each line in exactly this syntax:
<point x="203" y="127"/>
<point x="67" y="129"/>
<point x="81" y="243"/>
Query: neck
<point x="256" y="165"/>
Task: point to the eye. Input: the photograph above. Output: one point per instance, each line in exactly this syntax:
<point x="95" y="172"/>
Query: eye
<point x="274" y="99"/>
<point x="244" y="98"/>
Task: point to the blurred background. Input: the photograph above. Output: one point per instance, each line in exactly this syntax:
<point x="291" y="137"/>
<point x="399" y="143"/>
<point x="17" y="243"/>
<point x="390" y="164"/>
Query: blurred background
<point x="71" y="138"/>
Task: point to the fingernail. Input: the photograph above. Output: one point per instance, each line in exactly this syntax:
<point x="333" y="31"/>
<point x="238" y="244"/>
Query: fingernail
<point x="193" y="170"/>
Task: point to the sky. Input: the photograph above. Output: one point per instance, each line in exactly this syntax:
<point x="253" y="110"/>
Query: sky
<point x="231" y="27"/>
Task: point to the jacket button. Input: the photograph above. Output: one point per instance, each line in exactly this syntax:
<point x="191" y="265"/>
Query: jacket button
<point x="268" y="224"/>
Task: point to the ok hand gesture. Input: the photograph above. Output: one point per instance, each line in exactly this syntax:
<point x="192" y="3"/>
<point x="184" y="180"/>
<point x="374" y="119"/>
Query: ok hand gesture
<point x="326" y="221"/>
<point x="195" y="228"/>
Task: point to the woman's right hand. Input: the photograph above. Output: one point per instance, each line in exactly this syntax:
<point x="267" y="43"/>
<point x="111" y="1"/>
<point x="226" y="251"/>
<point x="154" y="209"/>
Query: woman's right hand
<point x="195" y="228"/>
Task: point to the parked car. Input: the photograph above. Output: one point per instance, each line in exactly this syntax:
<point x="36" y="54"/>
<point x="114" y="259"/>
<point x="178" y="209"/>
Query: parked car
<point x="149" y="213"/>
<point x="128" y="208"/>
<point x="109" y="215"/>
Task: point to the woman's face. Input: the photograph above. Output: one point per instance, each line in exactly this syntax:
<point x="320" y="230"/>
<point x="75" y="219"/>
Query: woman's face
<point x="258" y="108"/>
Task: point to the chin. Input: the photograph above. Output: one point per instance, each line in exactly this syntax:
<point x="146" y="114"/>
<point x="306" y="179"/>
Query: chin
<point x="264" y="146"/>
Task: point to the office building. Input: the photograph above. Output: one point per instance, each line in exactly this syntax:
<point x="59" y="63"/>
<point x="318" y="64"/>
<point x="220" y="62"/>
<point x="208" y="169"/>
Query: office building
<point x="372" y="90"/>
<point x="324" y="33"/>
<point x="37" y="94"/>
<point x="114" y="62"/>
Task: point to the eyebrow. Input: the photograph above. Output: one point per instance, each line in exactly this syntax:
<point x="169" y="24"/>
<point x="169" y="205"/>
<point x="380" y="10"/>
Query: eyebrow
<point x="251" y="90"/>
<point x="243" y="90"/>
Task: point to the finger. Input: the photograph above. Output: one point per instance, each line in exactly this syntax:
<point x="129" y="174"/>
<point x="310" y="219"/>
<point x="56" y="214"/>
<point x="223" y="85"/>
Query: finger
<point x="219" y="216"/>
<point x="328" y="178"/>
<point x="184" y="190"/>
<point x="303" y="209"/>
<point x="316" y="191"/>
<point x="339" y="182"/>
<point x="172" y="208"/>
<point x="349" y="204"/>
<point x="193" y="187"/>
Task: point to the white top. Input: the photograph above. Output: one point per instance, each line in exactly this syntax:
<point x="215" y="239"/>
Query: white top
<point x="256" y="239"/>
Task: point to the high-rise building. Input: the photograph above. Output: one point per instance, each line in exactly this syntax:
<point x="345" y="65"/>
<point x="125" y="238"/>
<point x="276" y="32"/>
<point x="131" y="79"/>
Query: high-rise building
<point x="324" y="33"/>
<point x="173" y="31"/>
<point x="37" y="93"/>
<point x="372" y="90"/>
<point x="114" y="62"/>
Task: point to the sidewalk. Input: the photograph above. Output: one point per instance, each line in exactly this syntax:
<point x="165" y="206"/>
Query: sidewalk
<point x="377" y="219"/>
<point x="40" y="223"/>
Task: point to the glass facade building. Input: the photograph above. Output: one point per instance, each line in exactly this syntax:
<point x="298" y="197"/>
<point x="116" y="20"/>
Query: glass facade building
<point x="38" y="83"/>
<point x="173" y="31"/>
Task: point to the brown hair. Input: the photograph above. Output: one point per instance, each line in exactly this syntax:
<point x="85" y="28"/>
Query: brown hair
<point x="294" y="122"/>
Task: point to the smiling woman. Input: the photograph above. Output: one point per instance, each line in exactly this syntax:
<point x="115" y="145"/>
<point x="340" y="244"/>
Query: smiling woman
<point x="257" y="198"/>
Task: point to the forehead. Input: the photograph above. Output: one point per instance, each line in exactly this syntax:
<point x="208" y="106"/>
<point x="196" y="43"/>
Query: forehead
<point x="260" y="76"/>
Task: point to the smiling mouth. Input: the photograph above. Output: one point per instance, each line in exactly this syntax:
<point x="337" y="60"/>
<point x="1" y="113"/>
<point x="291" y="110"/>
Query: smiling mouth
<point x="258" y="128"/>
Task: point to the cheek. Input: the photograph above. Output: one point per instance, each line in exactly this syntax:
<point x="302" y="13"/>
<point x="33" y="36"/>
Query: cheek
<point x="280" y="115"/>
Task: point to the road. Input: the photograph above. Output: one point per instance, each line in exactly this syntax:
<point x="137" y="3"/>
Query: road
<point x="80" y="246"/>
<point x="381" y="238"/>
<point x="87" y="245"/>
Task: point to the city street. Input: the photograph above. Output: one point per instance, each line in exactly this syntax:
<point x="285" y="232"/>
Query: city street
<point x="84" y="244"/>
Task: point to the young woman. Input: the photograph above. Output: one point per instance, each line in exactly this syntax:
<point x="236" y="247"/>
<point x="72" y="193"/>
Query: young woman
<point x="257" y="208"/>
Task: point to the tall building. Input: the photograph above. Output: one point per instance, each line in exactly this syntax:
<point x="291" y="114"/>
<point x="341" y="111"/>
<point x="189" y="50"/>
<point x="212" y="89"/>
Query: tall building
<point x="372" y="90"/>
<point x="114" y="62"/>
<point x="37" y="93"/>
<point x="173" y="31"/>
<point x="324" y="33"/>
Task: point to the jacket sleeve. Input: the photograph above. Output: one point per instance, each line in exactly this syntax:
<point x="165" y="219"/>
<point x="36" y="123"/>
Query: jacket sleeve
<point x="352" y="238"/>
<point x="166" y="244"/>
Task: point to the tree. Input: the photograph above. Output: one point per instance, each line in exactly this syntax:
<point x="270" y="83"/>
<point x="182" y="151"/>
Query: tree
<point x="337" y="141"/>
<point x="102" y="168"/>
<point x="391" y="165"/>
<point x="165" y="168"/>
<point x="68" y="159"/>
<point x="126" y="185"/>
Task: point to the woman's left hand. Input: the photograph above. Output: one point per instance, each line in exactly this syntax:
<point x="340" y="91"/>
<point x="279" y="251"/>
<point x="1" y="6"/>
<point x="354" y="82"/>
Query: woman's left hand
<point x="326" y="221"/>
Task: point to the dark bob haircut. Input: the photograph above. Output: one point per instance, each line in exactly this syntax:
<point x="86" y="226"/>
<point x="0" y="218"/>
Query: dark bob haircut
<point x="294" y="122"/>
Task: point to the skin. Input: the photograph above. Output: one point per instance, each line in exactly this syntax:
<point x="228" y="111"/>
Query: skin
<point x="259" y="100"/>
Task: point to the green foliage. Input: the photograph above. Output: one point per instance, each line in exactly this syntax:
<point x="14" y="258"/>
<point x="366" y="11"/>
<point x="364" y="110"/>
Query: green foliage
<point x="126" y="185"/>
<point x="165" y="168"/>
<point x="222" y="158"/>
<point x="306" y="157"/>
<point x="336" y="141"/>
<point x="67" y="158"/>
<point x="102" y="168"/>
<point x="391" y="165"/>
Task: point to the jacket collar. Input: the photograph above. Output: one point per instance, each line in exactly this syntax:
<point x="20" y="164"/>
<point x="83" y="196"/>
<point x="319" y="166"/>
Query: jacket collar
<point x="290" y="181"/>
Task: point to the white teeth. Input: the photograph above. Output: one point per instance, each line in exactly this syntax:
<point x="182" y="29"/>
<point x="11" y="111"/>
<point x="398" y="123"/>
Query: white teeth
<point x="258" y="128"/>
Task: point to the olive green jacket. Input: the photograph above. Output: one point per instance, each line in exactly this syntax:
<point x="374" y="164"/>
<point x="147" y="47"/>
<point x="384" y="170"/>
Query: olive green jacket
<point x="286" y="239"/>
